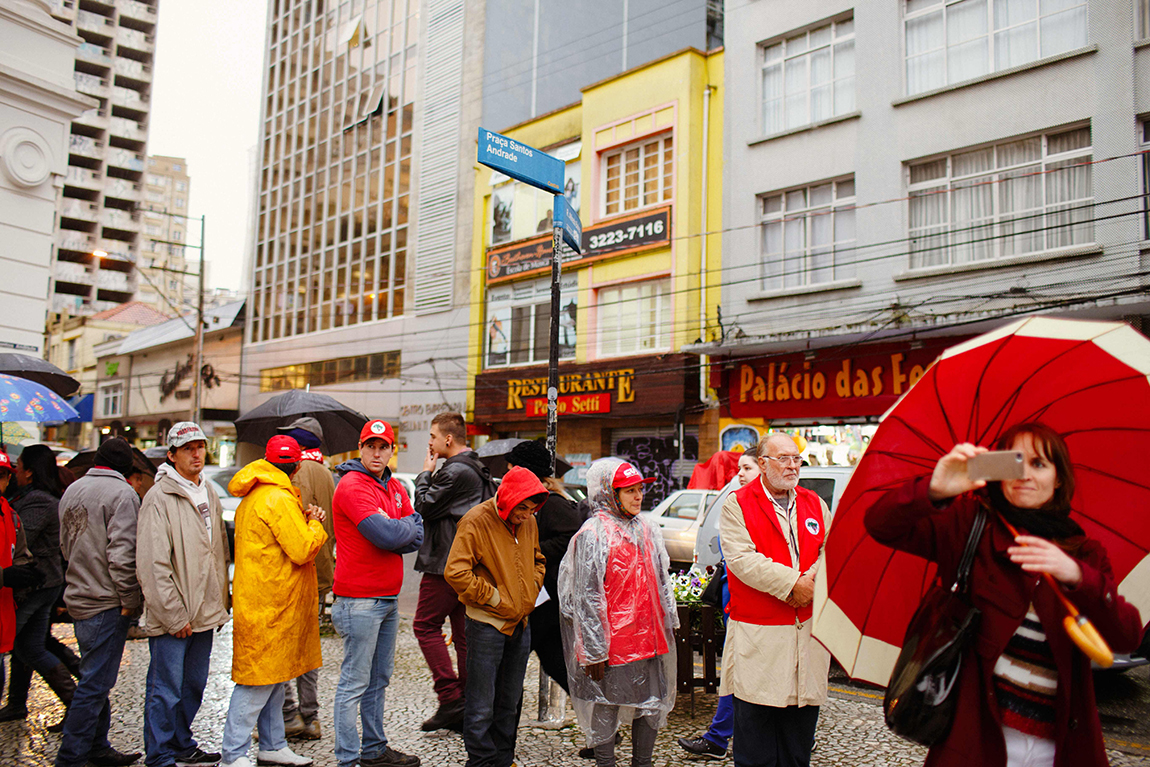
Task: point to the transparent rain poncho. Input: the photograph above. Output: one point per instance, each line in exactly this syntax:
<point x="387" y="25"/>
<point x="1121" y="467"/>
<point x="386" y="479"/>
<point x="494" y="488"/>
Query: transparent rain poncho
<point x="616" y="605"/>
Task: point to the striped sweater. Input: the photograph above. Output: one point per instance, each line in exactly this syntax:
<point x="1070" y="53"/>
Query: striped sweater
<point x="1026" y="680"/>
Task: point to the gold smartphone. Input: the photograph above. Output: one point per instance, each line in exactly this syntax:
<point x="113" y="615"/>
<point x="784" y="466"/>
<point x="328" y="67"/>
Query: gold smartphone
<point x="996" y="465"/>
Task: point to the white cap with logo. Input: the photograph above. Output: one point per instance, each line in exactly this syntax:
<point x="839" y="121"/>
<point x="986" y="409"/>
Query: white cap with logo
<point x="185" y="432"/>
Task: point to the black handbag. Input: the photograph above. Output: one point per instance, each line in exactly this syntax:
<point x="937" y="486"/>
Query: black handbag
<point x="922" y="694"/>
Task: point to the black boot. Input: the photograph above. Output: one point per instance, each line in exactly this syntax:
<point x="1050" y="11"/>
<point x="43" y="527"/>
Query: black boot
<point x="64" y="686"/>
<point x="21" y="679"/>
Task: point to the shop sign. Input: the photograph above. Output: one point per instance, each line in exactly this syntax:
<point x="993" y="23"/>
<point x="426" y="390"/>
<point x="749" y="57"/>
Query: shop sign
<point x="575" y="404"/>
<point x="620" y="236"/>
<point x="839" y="385"/>
<point x="651" y="385"/>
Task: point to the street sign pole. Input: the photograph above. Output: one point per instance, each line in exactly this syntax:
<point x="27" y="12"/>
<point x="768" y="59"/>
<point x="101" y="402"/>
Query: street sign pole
<point x="553" y="351"/>
<point x="542" y="171"/>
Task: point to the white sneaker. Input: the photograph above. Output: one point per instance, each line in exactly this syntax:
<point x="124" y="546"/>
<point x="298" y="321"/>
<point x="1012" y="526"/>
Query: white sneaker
<point x="243" y="761"/>
<point x="284" y="756"/>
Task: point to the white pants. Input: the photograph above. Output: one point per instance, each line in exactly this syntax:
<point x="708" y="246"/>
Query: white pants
<point x="1024" y="750"/>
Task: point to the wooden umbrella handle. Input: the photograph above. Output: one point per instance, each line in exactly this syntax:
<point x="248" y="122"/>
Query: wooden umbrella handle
<point x="1078" y="627"/>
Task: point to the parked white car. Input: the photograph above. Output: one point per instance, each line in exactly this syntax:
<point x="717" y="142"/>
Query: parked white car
<point x="679" y="515"/>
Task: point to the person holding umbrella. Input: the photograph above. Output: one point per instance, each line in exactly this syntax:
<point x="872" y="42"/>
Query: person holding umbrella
<point x="1025" y="692"/>
<point x="316" y="488"/>
<point x="36" y="500"/>
<point x="16" y="568"/>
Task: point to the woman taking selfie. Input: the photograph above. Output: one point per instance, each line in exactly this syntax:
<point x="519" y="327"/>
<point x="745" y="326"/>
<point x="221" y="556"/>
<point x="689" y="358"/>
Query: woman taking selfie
<point x="1025" y="691"/>
<point x="617" y="614"/>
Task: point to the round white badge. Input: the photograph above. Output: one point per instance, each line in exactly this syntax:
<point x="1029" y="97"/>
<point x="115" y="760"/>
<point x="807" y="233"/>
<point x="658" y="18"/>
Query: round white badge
<point x="813" y="526"/>
<point x="377" y="428"/>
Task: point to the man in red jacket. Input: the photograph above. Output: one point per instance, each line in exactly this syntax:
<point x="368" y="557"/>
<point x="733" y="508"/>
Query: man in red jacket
<point x="773" y="533"/>
<point x="374" y="527"/>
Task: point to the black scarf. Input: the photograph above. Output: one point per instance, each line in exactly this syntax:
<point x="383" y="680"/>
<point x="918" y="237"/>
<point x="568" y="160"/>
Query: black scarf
<point x="1049" y="522"/>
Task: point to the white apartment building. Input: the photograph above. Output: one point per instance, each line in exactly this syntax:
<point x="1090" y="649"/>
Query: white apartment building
<point x="902" y="174"/>
<point x="37" y="101"/>
<point x="164" y="212"/>
<point x="107" y="148"/>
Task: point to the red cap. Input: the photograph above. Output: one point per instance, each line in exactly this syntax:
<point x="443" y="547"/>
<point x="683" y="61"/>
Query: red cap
<point x="5" y="461"/>
<point x="283" y="449"/>
<point x="627" y="475"/>
<point x="377" y="429"/>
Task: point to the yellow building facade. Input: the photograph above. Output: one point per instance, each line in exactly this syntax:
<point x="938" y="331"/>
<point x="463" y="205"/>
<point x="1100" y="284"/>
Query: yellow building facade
<point x="643" y="156"/>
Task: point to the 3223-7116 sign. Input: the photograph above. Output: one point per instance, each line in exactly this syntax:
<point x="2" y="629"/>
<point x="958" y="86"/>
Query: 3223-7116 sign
<point x="643" y="231"/>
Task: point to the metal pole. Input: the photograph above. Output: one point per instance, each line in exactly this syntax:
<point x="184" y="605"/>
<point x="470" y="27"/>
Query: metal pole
<point x="553" y="357"/>
<point x="198" y="361"/>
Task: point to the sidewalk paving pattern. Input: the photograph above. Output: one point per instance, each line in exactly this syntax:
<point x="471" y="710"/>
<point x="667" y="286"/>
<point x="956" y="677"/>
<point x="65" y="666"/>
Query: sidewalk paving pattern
<point x="850" y="731"/>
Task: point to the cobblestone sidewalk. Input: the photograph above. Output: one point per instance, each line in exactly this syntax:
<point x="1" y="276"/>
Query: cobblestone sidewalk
<point x="850" y="729"/>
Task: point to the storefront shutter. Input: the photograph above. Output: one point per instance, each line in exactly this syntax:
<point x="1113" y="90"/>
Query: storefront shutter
<point x="654" y="450"/>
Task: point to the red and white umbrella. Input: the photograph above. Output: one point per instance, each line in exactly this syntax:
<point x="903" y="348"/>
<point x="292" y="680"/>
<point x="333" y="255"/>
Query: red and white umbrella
<point x="1087" y="380"/>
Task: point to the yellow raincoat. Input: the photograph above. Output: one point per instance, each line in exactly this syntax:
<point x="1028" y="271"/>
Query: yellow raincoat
<point x="275" y="602"/>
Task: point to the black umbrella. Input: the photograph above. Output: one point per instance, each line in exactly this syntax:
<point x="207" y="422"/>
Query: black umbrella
<point x="493" y="454"/>
<point x="40" y="371"/>
<point x="341" y="425"/>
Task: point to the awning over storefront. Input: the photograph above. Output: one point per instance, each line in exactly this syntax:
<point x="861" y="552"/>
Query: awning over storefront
<point x="83" y="405"/>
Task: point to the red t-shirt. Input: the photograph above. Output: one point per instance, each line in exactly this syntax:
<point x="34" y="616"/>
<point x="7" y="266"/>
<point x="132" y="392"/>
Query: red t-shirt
<point x="362" y="569"/>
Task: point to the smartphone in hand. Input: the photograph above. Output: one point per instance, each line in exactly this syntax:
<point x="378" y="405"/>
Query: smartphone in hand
<point x="996" y="465"/>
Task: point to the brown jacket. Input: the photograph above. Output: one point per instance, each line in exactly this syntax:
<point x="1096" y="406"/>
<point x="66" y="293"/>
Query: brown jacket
<point x="316" y="485"/>
<point x="496" y="572"/>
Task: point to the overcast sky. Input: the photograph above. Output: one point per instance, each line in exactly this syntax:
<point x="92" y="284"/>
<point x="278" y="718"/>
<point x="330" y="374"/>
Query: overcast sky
<point x="206" y="108"/>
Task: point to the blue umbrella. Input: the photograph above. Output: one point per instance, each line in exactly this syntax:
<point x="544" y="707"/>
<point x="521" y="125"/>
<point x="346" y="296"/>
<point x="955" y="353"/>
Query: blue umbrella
<point x="24" y="400"/>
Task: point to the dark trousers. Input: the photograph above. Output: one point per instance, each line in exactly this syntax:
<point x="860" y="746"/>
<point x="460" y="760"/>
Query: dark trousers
<point x="770" y="736"/>
<point x="437" y="603"/>
<point x="177" y="675"/>
<point x="496" y="665"/>
<point x="547" y="641"/>
<point x="101" y="639"/>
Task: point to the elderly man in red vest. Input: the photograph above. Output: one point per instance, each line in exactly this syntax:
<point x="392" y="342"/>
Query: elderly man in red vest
<point x="773" y="532"/>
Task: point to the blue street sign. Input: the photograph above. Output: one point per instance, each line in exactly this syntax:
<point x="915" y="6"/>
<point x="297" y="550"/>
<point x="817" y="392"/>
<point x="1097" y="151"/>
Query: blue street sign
<point x="566" y="217"/>
<point x="521" y="162"/>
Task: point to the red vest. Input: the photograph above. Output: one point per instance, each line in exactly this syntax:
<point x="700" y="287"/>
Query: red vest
<point x="750" y="605"/>
<point x="8" y="525"/>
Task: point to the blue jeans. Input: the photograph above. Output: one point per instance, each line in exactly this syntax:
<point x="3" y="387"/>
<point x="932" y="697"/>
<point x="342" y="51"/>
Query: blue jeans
<point x="369" y="628"/>
<point x="254" y="705"/>
<point x="101" y="639"/>
<point x="496" y="665"/>
<point x="723" y="722"/>
<point x="33" y="616"/>
<point x="177" y="675"/>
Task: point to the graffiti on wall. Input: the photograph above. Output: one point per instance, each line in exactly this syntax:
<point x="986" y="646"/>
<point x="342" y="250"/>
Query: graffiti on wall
<point x="656" y="457"/>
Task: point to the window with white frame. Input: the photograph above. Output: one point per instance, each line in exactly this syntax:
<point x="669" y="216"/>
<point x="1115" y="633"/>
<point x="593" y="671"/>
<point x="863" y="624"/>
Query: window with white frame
<point x="112" y="400"/>
<point x="1146" y="178"/>
<point x="951" y="41"/>
<point x="634" y="318"/>
<point x="1022" y="196"/>
<point x="809" y="77"/>
<point x="518" y="327"/>
<point x="638" y="175"/>
<point x="808" y="235"/>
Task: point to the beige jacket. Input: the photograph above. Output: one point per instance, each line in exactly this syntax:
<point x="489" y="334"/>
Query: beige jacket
<point x="768" y="665"/>
<point x="316" y="485"/>
<point x="183" y="575"/>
